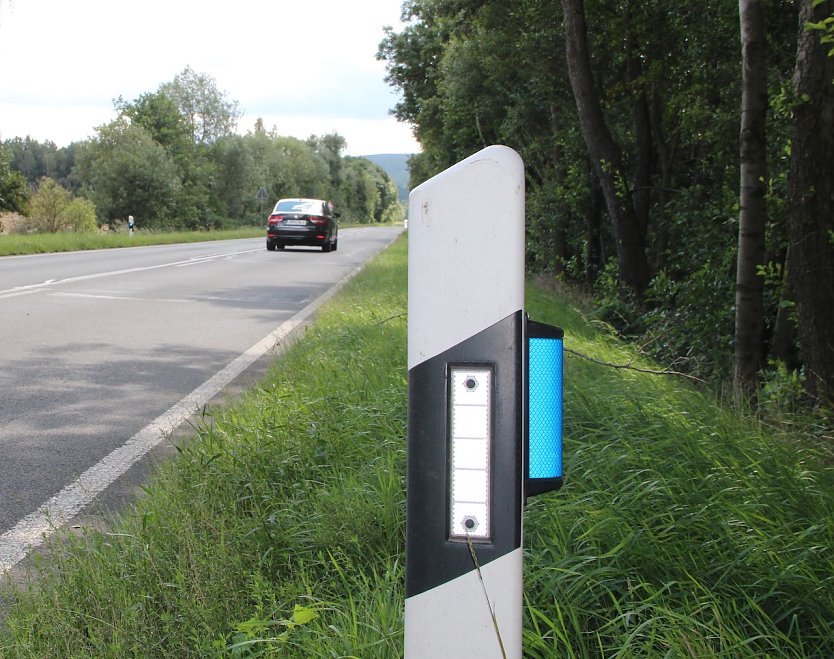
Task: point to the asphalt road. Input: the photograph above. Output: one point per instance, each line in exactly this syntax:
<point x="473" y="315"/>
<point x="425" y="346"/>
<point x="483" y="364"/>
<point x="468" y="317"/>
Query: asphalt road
<point x="102" y="353"/>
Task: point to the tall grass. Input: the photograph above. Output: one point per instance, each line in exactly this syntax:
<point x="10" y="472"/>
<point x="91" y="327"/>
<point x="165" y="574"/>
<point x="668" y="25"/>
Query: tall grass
<point x="279" y="529"/>
<point x="683" y="530"/>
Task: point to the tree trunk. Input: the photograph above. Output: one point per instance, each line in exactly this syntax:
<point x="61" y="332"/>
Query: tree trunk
<point x="811" y="201"/>
<point x="560" y="248"/>
<point x="593" y="235"/>
<point x="665" y="155"/>
<point x="605" y="155"/>
<point x="643" y="160"/>
<point x="783" y="341"/>
<point x="749" y="334"/>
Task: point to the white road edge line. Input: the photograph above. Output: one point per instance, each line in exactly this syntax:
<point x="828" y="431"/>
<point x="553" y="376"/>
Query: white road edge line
<point x="34" y="529"/>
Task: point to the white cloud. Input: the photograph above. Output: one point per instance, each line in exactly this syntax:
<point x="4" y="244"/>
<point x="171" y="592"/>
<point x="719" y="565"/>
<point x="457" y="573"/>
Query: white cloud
<point x="363" y="136"/>
<point x="58" y="124"/>
<point x="306" y="67"/>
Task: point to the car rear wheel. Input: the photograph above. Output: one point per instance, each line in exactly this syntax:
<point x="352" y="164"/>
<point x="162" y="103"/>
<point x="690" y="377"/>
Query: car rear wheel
<point x="270" y="246"/>
<point x="326" y="245"/>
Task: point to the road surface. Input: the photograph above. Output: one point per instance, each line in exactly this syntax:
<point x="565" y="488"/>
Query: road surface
<point x="102" y="353"/>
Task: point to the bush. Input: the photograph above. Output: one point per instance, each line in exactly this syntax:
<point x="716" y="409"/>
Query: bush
<point x="53" y="208"/>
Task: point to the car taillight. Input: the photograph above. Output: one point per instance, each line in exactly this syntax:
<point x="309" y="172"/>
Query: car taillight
<point x="318" y="221"/>
<point x="275" y="219"/>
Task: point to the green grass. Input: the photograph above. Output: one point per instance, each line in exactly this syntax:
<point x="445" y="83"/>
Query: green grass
<point x="70" y="241"/>
<point x="682" y="531"/>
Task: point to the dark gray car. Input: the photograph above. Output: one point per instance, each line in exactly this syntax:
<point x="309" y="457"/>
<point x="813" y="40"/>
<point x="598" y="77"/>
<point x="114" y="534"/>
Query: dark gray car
<point x="301" y="221"/>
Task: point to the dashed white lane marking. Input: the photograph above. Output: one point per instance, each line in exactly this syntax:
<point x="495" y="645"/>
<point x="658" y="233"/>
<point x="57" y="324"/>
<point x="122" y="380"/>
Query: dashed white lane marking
<point x="119" y="297"/>
<point x="20" y="290"/>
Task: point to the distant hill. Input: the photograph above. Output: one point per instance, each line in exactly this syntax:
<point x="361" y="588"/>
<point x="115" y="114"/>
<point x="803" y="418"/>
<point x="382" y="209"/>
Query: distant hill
<point x="396" y="166"/>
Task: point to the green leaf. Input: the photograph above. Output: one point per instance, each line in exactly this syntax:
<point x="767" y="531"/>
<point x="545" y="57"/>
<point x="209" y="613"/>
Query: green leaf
<point x="301" y="615"/>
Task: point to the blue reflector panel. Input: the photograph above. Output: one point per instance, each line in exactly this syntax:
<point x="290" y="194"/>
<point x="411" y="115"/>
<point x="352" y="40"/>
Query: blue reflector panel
<point x="545" y="408"/>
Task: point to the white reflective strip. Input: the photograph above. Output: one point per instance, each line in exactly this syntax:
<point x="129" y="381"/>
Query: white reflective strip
<point x="470" y="402"/>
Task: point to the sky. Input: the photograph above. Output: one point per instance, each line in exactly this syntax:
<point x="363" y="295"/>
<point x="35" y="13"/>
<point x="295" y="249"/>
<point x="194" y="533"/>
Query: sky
<point x="303" y="66"/>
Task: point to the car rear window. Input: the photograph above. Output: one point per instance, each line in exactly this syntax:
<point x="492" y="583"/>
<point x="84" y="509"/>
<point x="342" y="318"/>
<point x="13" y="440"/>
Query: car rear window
<point x="313" y="207"/>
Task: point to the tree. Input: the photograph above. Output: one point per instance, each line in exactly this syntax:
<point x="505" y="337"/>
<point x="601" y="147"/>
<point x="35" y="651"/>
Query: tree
<point x="160" y="115"/>
<point x="811" y="199"/>
<point x="604" y="153"/>
<point x="749" y="330"/>
<point x="368" y="194"/>
<point x="13" y="190"/>
<point x="237" y="177"/>
<point x="656" y="136"/>
<point x="306" y="173"/>
<point x="330" y="148"/>
<point x="53" y="208"/>
<point x="29" y="157"/>
<point x="207" y="110"/>
<point x="125" y="172"/>
<point x="412" y="63"/>
<point x="35" y="160"/>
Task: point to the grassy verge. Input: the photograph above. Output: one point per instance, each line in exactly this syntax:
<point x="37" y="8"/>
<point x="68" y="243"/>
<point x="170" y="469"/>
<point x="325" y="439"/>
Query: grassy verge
<point x="279" y="531"/>
<point x="18" y="244"/>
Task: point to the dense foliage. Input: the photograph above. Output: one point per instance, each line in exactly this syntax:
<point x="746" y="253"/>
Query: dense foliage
<point x="12" y="185"/>
<point x="633" y="178"/>
<point x="172" y="159"/>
